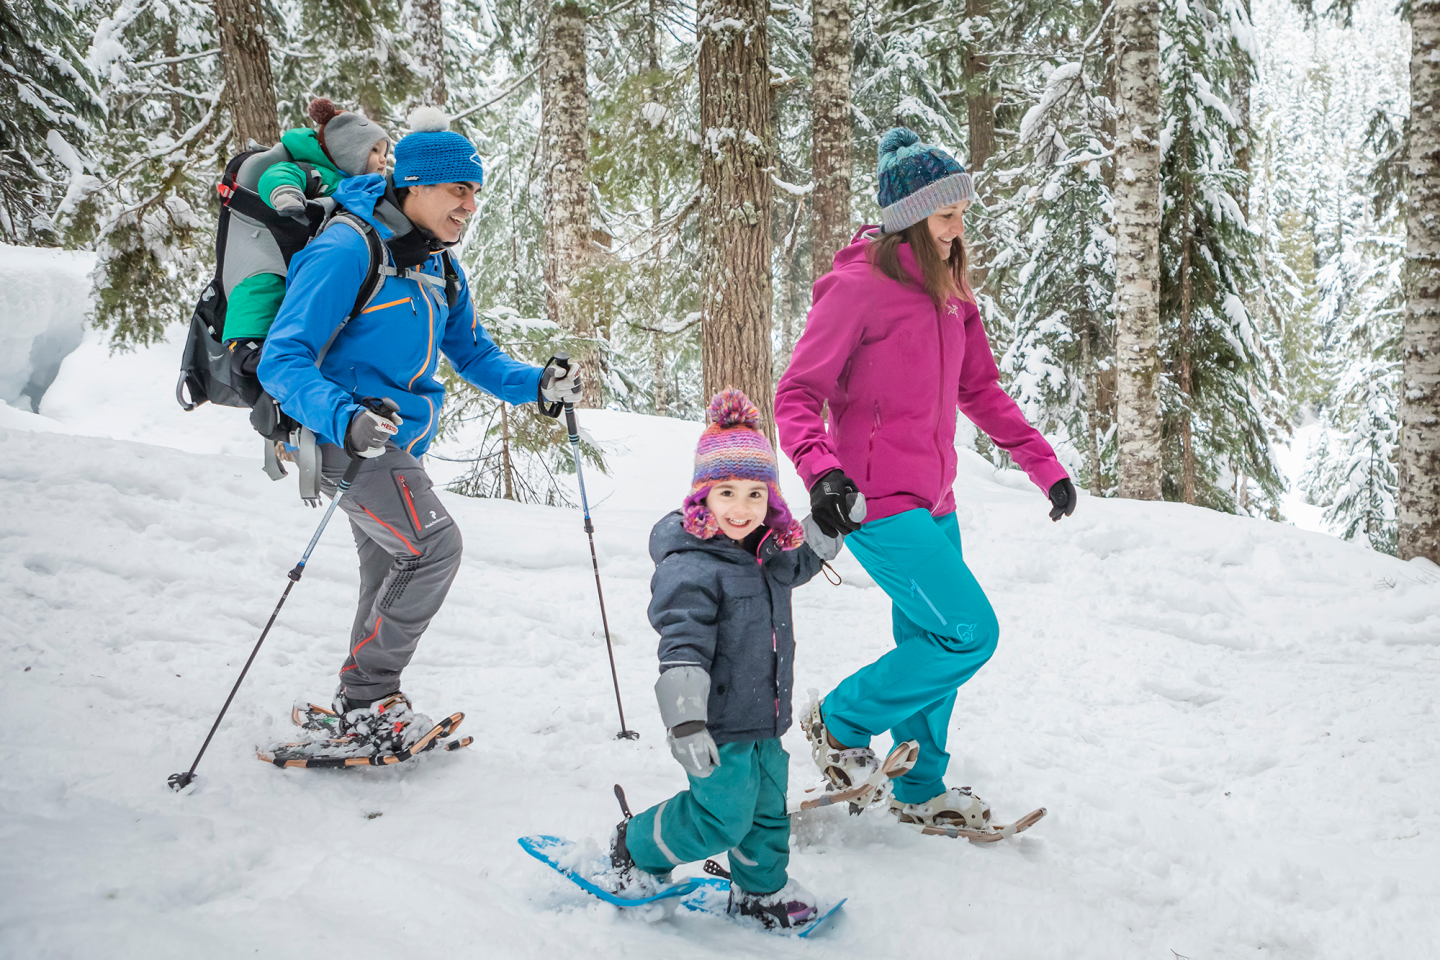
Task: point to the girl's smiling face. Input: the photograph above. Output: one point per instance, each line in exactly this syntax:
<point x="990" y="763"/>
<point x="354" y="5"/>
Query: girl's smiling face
<point x="739" y="506"/>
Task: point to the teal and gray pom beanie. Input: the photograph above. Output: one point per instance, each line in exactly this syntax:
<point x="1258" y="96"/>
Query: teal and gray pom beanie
<point x="432" y="153"/>
<point x="916" y="179"/>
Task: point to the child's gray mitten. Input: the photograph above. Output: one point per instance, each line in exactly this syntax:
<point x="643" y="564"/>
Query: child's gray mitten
<point x="288" y="201"/>
<point x="684" y="695"/>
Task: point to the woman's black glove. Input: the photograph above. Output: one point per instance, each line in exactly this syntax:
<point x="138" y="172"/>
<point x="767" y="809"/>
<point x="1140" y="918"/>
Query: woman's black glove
<point x="1063" y="496"/>
<point x="831" y="500"/>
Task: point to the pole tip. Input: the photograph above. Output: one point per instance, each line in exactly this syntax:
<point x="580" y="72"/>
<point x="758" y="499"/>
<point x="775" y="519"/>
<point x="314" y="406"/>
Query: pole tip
<point x="179" y="781"/>
<point x="627" y="735"/>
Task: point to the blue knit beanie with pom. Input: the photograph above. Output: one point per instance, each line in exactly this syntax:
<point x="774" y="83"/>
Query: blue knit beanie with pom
<point x="431" y="153"/>
<point x="916" y="179"/>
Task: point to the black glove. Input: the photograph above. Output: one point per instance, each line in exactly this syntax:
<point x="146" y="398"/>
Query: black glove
<point x="831" y="499"/>
<point x="1064" y="497"/>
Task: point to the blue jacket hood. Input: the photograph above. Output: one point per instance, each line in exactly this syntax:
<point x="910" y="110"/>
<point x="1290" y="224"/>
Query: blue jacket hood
<point x="360" y="195"/>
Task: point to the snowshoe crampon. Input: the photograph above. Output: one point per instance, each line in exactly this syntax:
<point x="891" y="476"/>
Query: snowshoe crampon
<point x="872" y="789"/>
<point x="358" y="751"/>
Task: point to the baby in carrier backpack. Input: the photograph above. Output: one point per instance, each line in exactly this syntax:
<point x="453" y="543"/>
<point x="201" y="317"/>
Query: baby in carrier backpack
<point x="725" y="565"/>
<point x="344" y="145"/>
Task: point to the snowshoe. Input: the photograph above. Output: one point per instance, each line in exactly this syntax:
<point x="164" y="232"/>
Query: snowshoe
<point x="852" y="775"/>
<point x="787" y="908"/>
<point x="360" y="748"/>
<point x="959" y="813"/>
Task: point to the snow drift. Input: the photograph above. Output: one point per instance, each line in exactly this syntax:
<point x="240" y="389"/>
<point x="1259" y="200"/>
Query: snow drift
<point x="44" y="295"/>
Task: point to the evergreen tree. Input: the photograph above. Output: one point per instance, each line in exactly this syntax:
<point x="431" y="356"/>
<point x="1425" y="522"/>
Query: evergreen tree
<point x="1217" y="414"/>
<point x="48" y="109"/>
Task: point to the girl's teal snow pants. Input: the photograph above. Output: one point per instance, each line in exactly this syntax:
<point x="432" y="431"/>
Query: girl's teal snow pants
<point x="739" y="808"/>
<point x="945" y="630"/>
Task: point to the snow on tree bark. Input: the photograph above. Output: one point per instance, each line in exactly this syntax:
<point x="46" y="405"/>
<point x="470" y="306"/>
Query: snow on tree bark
<point x="245" y="57"/>
<point x="565" y="105"/>
<point x="737" y="145"/>
<point x="830" y="166"/>
<point x="427" y="27"/>
<point x="1137" y="247"/>
<point x="1419" y="500"/>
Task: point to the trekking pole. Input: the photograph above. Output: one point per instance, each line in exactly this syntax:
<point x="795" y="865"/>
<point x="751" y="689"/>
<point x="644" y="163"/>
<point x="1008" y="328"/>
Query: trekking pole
<point x="625" y="734"/>
<point x="179" y="781"/>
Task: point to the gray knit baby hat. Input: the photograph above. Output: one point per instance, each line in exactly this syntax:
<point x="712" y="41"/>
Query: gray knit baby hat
<point x="346" y="137"/>
<point x="915" y="179"/>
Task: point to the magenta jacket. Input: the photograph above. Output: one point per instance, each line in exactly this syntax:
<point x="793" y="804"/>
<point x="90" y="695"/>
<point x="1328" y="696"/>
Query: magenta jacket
<point x="894" y="370"/>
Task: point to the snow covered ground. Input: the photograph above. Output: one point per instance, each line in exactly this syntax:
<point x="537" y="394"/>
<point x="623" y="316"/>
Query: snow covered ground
<point x="1231" y="722"/>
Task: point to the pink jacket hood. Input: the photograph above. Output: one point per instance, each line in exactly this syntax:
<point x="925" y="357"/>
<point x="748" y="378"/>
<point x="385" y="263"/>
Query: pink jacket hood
<point x="895" y="370"/>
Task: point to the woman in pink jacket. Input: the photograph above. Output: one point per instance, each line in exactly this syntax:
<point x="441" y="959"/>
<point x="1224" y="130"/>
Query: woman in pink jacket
<point x="895" y="345"/>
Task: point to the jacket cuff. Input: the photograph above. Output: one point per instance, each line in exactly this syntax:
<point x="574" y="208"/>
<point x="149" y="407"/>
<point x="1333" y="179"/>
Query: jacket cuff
<point x="816" y="467"/>
<point x="1047" y="474"/>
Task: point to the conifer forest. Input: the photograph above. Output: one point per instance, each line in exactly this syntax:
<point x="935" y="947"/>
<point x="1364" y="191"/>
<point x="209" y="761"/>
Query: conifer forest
<point x="1200" y="225"/>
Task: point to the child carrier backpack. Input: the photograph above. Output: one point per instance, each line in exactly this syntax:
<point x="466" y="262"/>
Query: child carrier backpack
<point x="251" y="238"/>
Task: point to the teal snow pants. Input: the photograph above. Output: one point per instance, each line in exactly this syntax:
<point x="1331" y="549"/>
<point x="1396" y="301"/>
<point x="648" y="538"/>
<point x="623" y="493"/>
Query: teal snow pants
<point x="739" y="808"/>
<point x="945" y="630"/>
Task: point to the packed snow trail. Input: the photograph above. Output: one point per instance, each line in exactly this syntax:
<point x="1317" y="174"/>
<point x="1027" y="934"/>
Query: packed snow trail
<point x="1231" y="723"/>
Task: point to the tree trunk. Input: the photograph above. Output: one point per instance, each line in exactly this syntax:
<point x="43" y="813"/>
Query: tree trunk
<point x="737" y="145"/>
<point x="1187" y="348"/>
<point x="981" y="114"/>
<point x="1240" y="107"/>
<point x="830" y="161"/>
<point x="245" y="59"/>
<point x="565" y="107"/>
<point x="1137" y="246"/>
<point x="1419" y="500"/>
<point x="428" y="28"/>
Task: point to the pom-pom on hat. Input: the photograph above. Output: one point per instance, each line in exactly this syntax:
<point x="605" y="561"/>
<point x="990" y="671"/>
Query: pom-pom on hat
<point x="432" y="153"/>
<point x="916" y="179"/>
<point x="732" y="447"/>
<point x="346" y="137"/>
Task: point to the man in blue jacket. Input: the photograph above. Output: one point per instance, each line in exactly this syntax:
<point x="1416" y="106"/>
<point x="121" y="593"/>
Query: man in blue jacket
<point x="409" y="545"/>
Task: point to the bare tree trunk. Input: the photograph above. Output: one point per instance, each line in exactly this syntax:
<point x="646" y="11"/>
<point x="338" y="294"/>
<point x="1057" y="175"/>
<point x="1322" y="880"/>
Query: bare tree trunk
<point x="1419" y="500"/>
<point x="1092" y="409"/>
<point x="981" y="115"/>
<point x="428" y="28"/>
<point x="736" y="200"/>
<point x="245" y="59"/>
<point x="1187" y="347"/>
<point x="830" y="144"/>
<point x="1240" y="107"/>
<point x="565" y="108"/>
<point x="1137" y="246"/>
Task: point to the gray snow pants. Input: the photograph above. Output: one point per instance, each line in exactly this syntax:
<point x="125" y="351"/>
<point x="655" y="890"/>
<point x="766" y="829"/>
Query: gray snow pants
<point x="409" y="550"/>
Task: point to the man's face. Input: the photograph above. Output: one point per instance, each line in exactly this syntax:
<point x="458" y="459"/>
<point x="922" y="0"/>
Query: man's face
<point x="441" y="208"/>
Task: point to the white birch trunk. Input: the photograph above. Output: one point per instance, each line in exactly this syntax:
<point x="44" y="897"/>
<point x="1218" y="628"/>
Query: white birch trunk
<point x="1418" y="508"/>
<point x="1137" y="247"/>
<point x="565" y="107"/>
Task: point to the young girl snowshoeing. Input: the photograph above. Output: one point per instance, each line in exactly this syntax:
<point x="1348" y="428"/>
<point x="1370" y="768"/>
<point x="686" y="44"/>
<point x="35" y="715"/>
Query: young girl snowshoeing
<point x="724" y="567"/>
<point x="895" y="345"/>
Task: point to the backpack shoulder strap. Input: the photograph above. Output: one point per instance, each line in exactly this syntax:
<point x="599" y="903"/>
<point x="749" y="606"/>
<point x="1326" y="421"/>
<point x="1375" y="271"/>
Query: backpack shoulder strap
<point x="452" y="279"/>
<point x="375" y="272"/>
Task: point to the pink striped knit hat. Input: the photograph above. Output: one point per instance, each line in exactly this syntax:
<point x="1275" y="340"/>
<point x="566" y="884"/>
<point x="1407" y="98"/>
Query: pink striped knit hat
<point x="733" y="448"/>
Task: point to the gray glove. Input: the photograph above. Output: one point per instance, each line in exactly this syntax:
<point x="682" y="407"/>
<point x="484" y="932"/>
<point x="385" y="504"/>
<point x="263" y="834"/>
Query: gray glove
<point x="825" y="546"/>
<point x="684" y="694"/>
<point x="558" y="385"/>
<point x="288" y="201"/>
<point x="369" y="431"/>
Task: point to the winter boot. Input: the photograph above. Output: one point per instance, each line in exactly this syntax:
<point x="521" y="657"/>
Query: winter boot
<point x="843" y="767"/>
<point x="956" y="807"/>
<point x="790" y="906"/>
<point x="389" y="724"/>
<point x="624" y="879"/>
